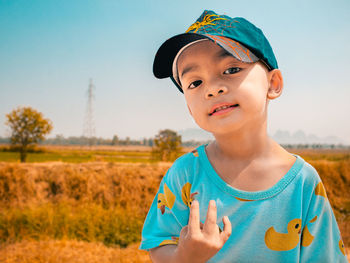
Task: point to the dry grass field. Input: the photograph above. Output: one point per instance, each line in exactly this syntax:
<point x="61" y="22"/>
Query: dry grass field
<point x="94" y="211"/>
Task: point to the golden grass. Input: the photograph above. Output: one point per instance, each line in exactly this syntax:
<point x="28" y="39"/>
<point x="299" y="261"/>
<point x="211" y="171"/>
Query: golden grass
<point x="108" y="184"/>
<point x="62" y="251"/>
<point x="48" y="210"/>
<point x="72" y="251"/>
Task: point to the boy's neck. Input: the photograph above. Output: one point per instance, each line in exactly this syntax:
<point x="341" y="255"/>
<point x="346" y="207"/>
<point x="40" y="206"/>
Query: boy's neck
<point x="243" y="147"/>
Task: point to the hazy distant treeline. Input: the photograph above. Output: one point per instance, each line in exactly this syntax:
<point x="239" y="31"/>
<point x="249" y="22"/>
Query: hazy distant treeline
<point x="82" y="140"/>
<point x="75" y="140"/>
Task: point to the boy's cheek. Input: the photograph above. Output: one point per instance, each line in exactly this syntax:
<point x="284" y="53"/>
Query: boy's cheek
<point x="189" y="109"/>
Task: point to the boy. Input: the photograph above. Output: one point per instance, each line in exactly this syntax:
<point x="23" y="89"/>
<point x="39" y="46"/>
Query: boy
<point x="241" y="198"/>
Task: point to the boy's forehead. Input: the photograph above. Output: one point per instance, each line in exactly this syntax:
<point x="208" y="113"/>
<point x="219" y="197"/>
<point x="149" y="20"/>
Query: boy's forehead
<point x="204" y="49"/>
<point x="202" y="46"/>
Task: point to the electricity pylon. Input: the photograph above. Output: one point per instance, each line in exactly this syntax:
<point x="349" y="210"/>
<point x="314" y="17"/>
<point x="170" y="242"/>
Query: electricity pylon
<point x="89" y="124"/>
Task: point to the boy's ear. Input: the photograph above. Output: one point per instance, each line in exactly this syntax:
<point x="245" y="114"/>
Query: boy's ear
<point x="275" y="84"/>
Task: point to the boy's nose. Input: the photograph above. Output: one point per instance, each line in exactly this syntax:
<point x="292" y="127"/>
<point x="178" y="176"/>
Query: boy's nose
<point x="215" y="90"/>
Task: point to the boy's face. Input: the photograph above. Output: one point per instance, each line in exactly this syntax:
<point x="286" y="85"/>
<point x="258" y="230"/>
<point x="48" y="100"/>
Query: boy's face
<point x="209" y="75"/>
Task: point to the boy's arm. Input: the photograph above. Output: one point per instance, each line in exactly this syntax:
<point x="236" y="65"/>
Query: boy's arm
<point x="167" y="254"/>
<point x="163" y="254"/>
<point x="321" y="239"/>
<point x="165" y="217"/>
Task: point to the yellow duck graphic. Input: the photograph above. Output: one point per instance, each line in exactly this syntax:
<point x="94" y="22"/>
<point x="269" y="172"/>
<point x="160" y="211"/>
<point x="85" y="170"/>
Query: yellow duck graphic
<point x="284" y="241"/>
<point x="186" y="195"/>
<point x="306" y="237"/>
<point x="166" y="200"/>
<point x="173" y="241"/>
<point x="195" y="152"/>
<point x="341" y="246"/>
<point x="320" y="190"/>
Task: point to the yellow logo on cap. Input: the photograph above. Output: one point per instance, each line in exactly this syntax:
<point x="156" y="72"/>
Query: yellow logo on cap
<point x="207" y="20"/>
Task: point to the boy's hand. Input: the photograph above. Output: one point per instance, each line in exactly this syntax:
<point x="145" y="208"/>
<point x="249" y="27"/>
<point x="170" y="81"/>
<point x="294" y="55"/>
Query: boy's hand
<point x="199" y="243"/>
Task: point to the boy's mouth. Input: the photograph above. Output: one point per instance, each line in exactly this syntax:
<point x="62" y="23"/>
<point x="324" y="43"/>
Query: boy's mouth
<point x="217" y="108"/>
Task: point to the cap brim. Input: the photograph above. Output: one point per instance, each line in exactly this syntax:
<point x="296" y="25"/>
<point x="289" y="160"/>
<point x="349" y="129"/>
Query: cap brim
<point x="163" y="61"/>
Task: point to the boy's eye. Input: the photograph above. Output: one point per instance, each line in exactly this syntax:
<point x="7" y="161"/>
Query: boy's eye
<point x="232" y="70"/>
<point x="195" y="84"/>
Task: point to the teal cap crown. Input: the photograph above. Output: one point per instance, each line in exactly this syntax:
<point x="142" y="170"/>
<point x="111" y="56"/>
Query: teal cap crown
<point x="238" y="29"/>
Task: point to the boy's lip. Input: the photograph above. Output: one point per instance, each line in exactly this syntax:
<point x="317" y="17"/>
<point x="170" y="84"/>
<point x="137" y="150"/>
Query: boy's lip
<point x="220" y="105"/>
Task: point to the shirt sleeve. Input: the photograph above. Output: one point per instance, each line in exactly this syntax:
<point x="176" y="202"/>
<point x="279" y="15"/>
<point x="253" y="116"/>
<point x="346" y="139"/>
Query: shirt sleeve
<point x="321" y="239"/>
<point x="166" y="216"/>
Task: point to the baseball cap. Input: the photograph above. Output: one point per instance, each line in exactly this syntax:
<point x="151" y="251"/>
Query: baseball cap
<point x="237" y="36"/>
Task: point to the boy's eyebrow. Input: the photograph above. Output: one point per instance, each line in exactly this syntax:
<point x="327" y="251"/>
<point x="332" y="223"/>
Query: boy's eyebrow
<point x="188" y="69"/>
<point x="219" y="55"/>
<point x="222" y="54"/>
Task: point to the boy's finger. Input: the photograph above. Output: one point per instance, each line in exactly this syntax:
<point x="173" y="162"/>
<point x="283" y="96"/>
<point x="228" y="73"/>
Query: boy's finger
<point x="193" y="222"/>
<point x="226" y="233"/>
<point x="210" y="225"/>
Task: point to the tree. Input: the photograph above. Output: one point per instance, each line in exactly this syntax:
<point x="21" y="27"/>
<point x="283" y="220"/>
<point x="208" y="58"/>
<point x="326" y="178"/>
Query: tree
<point x="167" y="146"/>
<point x="127" y="140"/>
<point x="115" y="140"/>
<point x="28" y="127"/>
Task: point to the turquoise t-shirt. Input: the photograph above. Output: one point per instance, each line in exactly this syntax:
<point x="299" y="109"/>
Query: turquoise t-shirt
<point x="292" y="221"/>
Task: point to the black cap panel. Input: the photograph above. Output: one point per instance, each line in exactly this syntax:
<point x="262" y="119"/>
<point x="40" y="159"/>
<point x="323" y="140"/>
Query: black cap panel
<point x="163" y="61"/>
<point x="176" y="84"/>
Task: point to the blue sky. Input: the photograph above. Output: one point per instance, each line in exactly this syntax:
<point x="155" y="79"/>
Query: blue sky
<point x="49" y="50"/>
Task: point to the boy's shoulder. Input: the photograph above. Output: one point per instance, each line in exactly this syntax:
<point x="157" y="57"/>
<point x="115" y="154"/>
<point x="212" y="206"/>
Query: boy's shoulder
<point x="189" y="157"/>
<point x="186" y="160"/>
<point x="309" y="172"/>
<point x="308" y="175"/>
<point x="184" y="166"/>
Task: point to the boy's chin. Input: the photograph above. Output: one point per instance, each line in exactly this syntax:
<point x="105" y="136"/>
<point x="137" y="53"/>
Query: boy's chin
<point x="224" y="130"/>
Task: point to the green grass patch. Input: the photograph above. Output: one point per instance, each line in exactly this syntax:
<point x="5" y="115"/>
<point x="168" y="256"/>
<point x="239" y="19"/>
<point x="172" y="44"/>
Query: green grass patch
<point x="78" y="156"/>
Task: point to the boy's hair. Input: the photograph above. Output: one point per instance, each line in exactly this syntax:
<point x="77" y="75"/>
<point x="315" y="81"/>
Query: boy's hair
<point x="247" y="43"/>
